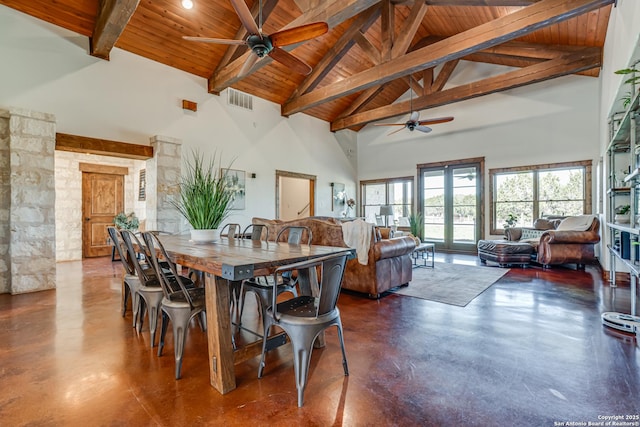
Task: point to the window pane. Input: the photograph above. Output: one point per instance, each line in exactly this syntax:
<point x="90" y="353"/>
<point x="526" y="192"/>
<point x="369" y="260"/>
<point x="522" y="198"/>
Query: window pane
<point x="561" y="192"/>
<point x="514" y="196"/>
<point x="514" y="186"/>
<point x="434" y="205"/>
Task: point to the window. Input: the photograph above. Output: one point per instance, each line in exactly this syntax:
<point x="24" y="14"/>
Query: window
<point x="531" y="192"/>
<point x="394" y="192"/>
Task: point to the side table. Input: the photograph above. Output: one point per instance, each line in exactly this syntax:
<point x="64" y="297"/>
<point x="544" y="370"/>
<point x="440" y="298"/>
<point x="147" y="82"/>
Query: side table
<point x="423" y="253"/>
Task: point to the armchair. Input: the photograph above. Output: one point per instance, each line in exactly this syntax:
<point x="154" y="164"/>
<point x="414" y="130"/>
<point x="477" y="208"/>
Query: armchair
<point x="571" y="240"/>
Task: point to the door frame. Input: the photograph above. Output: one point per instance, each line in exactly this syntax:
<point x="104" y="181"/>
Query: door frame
<point x="478" y="162"/>
<point x="105" y="170"/>
<point x="312" y="189"/>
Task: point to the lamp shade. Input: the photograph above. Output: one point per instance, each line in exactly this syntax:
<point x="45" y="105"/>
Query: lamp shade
<point x="386" y="210"/>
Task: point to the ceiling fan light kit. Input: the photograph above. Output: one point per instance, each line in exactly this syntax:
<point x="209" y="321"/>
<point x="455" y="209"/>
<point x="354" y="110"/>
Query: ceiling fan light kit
<point x="187" y="4"/>
<point x="268" y="45"/>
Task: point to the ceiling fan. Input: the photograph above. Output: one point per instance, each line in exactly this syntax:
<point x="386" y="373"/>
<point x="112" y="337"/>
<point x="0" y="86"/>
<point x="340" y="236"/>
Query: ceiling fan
<point x="414" y="122"/>
<point x="262" y="44"/>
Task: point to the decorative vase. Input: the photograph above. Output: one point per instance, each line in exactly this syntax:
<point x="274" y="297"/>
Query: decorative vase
<point x="622" y="219"/>
<point x="205" y="236"/>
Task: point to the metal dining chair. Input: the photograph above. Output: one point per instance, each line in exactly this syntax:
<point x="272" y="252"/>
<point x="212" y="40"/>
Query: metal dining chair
<point x="181" y="302"/>
<point x="232" y="230"/>
<point x="130" y="281"/>
<point x="256" y="232"/>
<point x="262" y="287"/>
<point x="150" y="290"/>
<point x="303" y="318"/>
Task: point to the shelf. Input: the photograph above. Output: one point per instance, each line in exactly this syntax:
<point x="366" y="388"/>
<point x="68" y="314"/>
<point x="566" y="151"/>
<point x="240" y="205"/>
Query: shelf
<point x="633" y="267"/>
<point x="619" y="190"/>
<point x="620" y="137"/>
<point x="633" y="175"/>
<point x="623" y="227"/>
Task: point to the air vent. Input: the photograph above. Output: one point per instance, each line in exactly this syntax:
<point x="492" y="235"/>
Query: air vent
<point x="240" y="99"/>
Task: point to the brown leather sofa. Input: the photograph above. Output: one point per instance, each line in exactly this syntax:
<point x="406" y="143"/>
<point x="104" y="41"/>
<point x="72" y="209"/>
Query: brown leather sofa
<point x="389" y="264"/>
<point x="558" y="245"/>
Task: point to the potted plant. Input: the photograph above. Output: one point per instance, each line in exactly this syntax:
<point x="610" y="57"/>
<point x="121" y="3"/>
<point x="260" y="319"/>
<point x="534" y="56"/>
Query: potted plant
<point x="416" y="226"/>
<point x="622" y="215"/>
<point x="510" y="221"/>
<point x="205" y="200"/>
<point x="125" y="221"/>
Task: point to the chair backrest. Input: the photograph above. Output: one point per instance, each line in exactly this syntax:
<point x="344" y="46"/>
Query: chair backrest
<point x="129" y="239"/>
<point x="117" y="242"/>
<point x="167" y="280"/>
<point x="232" y="229"/>
<point x="331" y="274"/>
<point x="295" y="234"/>
<point x="255" y="232"/>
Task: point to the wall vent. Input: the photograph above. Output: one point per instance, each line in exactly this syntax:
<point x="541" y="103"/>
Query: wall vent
<point x="240" y="99"/>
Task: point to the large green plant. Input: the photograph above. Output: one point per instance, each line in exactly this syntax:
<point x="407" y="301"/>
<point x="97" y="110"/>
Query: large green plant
<point x="205" y="201"/>
<point x="416" y="225"/>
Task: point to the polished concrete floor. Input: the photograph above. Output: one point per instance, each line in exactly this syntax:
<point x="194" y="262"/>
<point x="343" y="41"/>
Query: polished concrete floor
<point x="530" y="351"/>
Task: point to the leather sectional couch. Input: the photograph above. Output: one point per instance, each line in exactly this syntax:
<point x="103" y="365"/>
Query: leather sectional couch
<point x="389" y="260"/>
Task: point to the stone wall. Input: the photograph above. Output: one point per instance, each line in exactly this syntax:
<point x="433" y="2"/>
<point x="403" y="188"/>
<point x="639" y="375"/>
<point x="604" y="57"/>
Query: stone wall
<point x="68" y="178"/>
<point x="5" y="203"/>
<point x="163" y="176"/>
<point x="32" y="201"/>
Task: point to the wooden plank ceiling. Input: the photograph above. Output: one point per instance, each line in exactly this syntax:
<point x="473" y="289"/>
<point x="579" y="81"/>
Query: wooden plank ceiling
<point x="374" y="50"/>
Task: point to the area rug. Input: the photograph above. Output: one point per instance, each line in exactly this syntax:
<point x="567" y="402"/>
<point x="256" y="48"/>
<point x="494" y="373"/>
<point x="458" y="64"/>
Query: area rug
<point x="453" y="284"/>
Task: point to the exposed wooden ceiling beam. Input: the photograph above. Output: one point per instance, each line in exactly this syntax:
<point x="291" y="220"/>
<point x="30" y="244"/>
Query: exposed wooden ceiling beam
<point x="339" y="49"/>
<point x="113" y="17"/>
<point x="84" y="144"/>
<point x="333" y="13"/>
<point x="398" y="48"/>
<point x="516" y="24"/>
<point x="443" y="75"/>
<point x="568" y="64"/>
<point x="479" y="2"/>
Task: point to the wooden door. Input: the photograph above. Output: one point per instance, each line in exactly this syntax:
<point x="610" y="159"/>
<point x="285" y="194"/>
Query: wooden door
<point x="102" y="199"/>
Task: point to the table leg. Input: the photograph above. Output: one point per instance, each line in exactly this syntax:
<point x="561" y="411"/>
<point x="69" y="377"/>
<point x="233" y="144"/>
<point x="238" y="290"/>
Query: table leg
<point x="221" y="359"/>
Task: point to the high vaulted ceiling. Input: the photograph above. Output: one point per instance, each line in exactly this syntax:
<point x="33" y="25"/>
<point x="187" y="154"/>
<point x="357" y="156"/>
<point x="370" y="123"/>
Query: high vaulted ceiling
<point x="373" y="52"/>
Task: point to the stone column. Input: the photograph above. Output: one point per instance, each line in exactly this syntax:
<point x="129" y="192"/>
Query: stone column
<point x="31" y="220"/>
<point x="5" y="204"/>
<point x="163" y="176"/>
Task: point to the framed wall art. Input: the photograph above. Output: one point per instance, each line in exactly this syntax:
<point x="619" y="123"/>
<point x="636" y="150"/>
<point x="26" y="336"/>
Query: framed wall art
<point x="236" y="181"/>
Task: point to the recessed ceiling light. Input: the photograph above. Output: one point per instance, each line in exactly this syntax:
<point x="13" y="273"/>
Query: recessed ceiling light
<point x="187" y="4"/>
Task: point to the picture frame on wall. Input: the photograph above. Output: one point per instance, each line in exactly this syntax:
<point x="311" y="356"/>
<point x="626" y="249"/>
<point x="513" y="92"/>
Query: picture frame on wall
<point x="236" y="181"/>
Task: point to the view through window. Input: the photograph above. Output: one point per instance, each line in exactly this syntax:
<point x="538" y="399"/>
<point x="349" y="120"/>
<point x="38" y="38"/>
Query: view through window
<point x="536" y="191"/>
<point x="394" y="192"/>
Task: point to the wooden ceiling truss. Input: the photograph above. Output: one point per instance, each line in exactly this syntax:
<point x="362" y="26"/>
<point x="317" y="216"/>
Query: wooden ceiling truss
<point x="374" y="52"/>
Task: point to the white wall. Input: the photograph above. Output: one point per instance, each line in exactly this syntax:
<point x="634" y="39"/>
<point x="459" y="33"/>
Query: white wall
<point x="130" y="99"/>
<point x="548" y="122"/>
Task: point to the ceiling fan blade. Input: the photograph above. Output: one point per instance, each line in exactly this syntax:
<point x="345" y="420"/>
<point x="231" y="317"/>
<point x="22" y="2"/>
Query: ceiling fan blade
<point x="424" y="129"/>
<point x="290" y="61"/>
<point x="388" y="124"/>
<point x="248" y="64"/>
<point x="245" y="16"/>
<point x="299" y="34"/>
<point x="435" y="121"/>
<point x="214" y="40"/>
<point x="414" y="116"/>
<point x="396" y="131"/>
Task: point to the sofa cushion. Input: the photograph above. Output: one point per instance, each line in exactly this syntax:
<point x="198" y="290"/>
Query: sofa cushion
<point x="528" y="233"/>
<point x="576" y="223"/>
<point x="544" y="224"/>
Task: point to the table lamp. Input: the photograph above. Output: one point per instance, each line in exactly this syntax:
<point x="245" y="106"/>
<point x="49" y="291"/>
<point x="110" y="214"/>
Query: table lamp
<point x="386" y="211"/>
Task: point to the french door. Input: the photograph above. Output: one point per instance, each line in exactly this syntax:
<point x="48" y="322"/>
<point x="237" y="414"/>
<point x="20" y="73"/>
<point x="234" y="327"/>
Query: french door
<point x="451" y="203"/>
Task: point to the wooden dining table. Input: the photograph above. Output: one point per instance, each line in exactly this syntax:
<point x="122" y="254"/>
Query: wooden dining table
<point x="225" y="263"/>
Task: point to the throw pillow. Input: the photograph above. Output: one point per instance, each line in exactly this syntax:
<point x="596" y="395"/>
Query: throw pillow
<point x="528" y="233"/>
<point x="576" y="223"/>
<point x="543" y="224"/>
